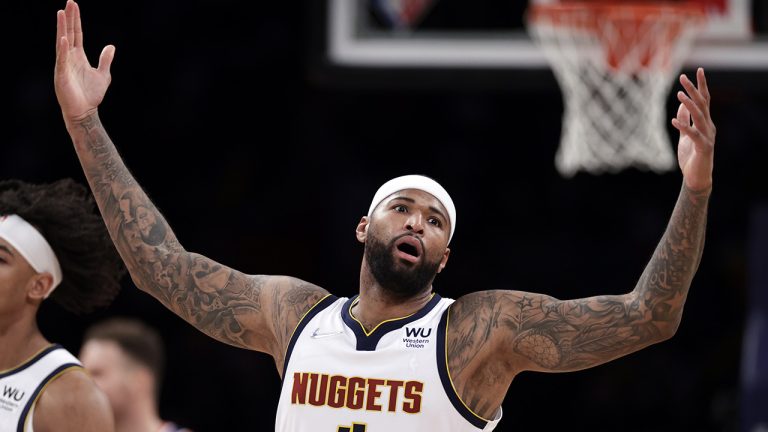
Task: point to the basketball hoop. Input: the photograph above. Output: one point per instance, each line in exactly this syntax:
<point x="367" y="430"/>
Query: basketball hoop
<point x="615" y="63"/>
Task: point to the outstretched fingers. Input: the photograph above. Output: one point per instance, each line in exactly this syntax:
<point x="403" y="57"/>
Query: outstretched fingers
<point x="694" y="93"/>
<point x="697" y="103"/>
<point x="683" y="115"/>
<point x="683" y="123"/>
<point x="695" y="110"/>
<point x="701" y="78"/>
<point x="61" y="26"/>
<point x="62" y="43"/>
<point x="105" y="59"/>
<point x="694" y="131"/>
<point x="70" y="10"/>
<point x="702" y="131"/>
<point x="78" y="30"/>
<point x="62" y="55"/>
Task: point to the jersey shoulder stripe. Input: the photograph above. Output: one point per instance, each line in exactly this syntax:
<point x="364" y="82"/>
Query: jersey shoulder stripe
<point x="34" y="359"/>
<point x="445" y="375"/>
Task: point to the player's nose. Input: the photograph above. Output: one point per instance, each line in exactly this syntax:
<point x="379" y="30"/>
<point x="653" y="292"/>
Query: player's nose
<point x="415" y="223"/>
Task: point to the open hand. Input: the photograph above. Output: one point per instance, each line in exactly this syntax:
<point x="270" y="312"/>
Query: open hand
<point x="80" y="88"/>
<point x="695" y="150"/>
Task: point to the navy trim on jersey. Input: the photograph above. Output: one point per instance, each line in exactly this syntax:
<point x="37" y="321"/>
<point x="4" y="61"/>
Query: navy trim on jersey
<point x="33" y="397"/>
<point x="445" y="378"/>
<point x="368" y="342"/>
<point x="316" y="309"/>
<point x="31" y="361"/>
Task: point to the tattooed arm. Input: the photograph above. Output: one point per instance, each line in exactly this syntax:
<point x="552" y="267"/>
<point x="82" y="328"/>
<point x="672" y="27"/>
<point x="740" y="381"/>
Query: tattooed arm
<point x="493" y="335"/>
<point x="255" y="312"/>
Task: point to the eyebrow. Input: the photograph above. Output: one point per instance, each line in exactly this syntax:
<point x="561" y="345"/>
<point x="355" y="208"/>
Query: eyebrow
<point x="411" y="200"/>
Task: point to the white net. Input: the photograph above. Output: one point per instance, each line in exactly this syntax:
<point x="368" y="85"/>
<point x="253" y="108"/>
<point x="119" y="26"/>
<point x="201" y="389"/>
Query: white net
<point x="615" y="66"/>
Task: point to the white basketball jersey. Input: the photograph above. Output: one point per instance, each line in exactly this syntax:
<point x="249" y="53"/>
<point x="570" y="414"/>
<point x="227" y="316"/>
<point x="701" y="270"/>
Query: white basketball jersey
<point x="339" y="378"/>
<point x="22" y="385"/>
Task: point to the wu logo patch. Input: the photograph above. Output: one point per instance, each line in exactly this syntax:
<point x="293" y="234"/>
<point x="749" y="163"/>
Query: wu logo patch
<point x="12" y="393"/>
<point x="418" y="332"/>
<point x="416" y="337"/>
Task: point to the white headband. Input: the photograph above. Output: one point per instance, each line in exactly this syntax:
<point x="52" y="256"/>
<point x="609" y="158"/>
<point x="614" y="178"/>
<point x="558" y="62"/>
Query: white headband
<point x="421" y="183"/>
<point x="32" y="246"/>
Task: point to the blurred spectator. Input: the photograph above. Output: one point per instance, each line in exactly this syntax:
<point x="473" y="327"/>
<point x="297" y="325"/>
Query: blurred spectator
<point x="126" y="359"/>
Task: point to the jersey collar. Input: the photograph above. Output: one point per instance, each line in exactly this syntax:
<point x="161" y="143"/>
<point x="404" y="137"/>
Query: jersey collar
<point x="367" y="341"/>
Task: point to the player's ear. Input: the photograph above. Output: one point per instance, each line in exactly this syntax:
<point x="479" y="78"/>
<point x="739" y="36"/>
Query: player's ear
<point x="361" y="232"/>
<point x="39" y="286"/>
<point x="444" y="261"/>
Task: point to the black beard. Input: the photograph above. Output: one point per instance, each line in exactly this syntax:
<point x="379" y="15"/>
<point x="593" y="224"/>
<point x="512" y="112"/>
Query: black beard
<point x="401" y="281"/>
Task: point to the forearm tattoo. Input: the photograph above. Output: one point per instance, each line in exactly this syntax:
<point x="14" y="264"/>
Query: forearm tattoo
<point x="221" y="302"/>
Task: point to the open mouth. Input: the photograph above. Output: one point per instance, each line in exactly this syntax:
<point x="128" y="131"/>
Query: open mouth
<point x="409" y="248"/>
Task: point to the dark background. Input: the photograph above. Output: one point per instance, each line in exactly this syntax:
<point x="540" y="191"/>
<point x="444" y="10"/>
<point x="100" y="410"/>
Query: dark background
<point x="263" y="156"/>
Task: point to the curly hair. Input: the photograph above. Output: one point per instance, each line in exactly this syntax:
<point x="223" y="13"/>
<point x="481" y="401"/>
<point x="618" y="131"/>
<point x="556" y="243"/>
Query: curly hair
<point x="64" y="213"/>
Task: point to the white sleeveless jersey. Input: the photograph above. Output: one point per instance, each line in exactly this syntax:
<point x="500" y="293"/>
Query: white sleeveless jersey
<point x="22" y="385"/>
<point x="339" y="378"/>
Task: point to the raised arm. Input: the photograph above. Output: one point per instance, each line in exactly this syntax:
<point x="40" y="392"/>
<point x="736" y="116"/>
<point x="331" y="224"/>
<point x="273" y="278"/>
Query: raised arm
<point x="255" y="312"/>
<point x="493" y="335"/>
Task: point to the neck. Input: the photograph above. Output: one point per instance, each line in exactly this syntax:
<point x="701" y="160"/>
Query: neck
<point x="377" y="304"/>
<point x="141" y="417"/>
<point x="20" y="335"/>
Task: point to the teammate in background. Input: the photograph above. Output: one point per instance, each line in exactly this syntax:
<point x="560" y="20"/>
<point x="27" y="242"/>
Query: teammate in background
<point x="53" y="245"/>
<point x="126" y="359"/>
<point x="397" y="356"/>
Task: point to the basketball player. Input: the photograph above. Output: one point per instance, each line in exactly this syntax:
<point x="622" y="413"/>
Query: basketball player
<point x="52" y="245"/>
<point x="397" y="356"/>
<point x="126" y="359"/>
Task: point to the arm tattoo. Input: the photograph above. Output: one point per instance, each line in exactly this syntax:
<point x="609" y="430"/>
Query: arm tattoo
<point x="543" y="333"/>
<point x="289" y="306"/>
<point x="221" y="302"/>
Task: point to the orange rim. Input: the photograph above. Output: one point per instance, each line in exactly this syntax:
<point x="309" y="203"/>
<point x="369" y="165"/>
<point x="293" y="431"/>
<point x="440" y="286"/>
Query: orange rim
<point x="629" y="18"/>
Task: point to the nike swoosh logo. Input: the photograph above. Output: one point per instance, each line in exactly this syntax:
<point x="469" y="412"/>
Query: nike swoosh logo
<point x="318" y="335"/>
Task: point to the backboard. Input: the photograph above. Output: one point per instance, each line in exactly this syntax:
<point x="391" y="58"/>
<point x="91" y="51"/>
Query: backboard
<point x="492" y="34"/>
